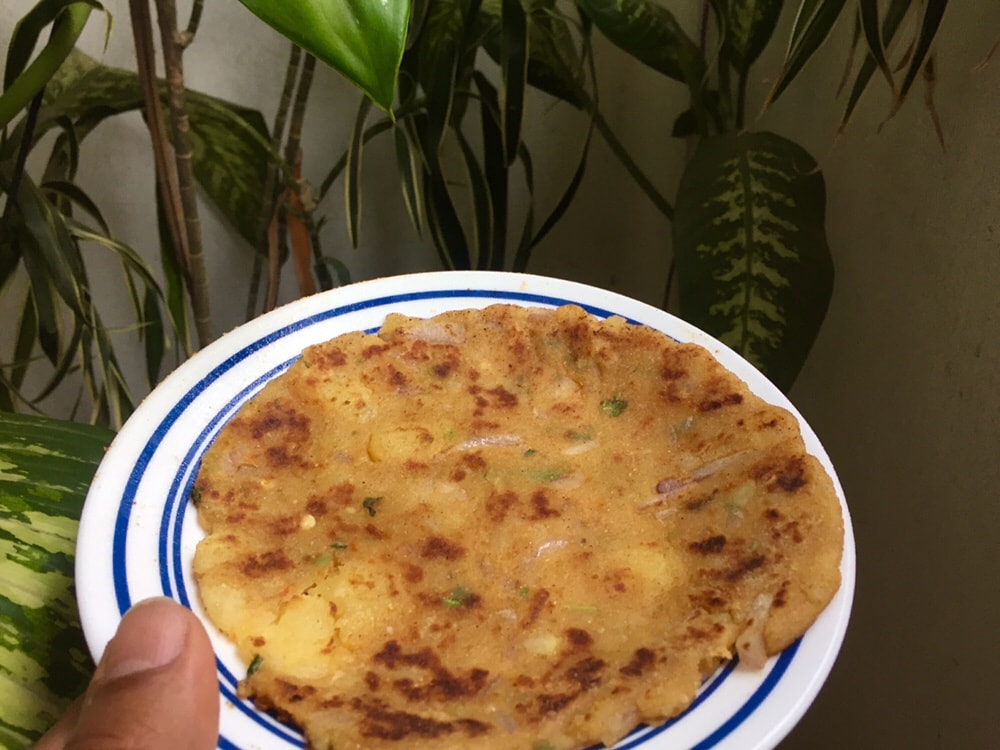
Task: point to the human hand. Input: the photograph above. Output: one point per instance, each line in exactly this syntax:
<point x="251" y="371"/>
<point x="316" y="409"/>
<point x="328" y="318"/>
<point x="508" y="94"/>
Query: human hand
<point x="155" y="688"/>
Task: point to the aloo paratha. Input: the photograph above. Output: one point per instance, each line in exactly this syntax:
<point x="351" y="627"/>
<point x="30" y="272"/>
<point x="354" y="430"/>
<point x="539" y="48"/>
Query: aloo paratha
<point x="507" y="528"/>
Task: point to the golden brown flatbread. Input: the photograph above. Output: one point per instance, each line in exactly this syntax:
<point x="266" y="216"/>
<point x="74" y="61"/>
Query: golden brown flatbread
<point x="507" y="528"/>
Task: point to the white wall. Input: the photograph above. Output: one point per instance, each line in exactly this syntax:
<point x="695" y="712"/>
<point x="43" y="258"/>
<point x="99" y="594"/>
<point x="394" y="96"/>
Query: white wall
<point x="902" y="385"/>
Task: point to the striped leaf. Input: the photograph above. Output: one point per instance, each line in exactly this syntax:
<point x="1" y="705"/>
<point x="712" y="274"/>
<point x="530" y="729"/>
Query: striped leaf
<point x="651" y="34"/>
<point x="231" y="143"/>
<point x="747" y="27"/>
<point x="45" y="469"/>
<point x="753" y="264"/>
<point x="814" y="21"/>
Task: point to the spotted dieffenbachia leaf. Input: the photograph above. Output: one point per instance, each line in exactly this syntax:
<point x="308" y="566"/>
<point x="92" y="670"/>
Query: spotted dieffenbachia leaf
<point x="753" y="264"/>
<point x="45" y="468"/>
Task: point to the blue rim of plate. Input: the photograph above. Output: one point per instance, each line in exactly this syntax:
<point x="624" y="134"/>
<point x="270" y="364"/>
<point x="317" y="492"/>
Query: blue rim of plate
<point x="174" y="513"/>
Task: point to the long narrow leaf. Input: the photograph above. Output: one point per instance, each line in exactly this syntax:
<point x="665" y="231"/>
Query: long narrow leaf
<point x="523" y="252"/>
<point x="813" y="23"/>
<point x="74" y="194"/>
<point x="154" y="335"/>
<point x="929" y="24"/>
<point x="514" y="74"/>
<point x="482" y="206"/>
<point x="870" y="26"/>
<point x="27" y="335"/>
<point x="44" y="301"/>
<point x="554" y="63"/>
<point x="409" y="173"/>
<point x="67" y="28"/>
<point x="890" y="26"/>
<point x="750" y="248"/>
<point x="438" y="56"/>
<point x="494" y="166"/>
<point x="352" y="184"/>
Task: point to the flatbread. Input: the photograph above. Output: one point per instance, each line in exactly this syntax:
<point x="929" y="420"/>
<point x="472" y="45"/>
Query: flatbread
<point x="507" y="528"/>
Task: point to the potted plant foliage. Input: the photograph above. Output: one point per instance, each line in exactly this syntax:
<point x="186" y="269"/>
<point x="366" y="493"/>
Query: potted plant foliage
<point x="447" y="80"/>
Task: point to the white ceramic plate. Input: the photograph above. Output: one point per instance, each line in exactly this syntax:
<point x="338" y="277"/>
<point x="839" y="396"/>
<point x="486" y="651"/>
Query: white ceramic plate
<point x="138" y="534"/>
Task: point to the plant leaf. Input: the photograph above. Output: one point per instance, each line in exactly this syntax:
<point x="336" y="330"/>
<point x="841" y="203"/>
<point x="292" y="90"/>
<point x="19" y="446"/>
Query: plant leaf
<point x="231" y="149"/>
<point x="363" y="40"/>
<point x="747" y="27"/>
<point x="813" y="23"/>
<point x="48" y="466"/>
<point x="890" y="25"/>
<point x="352" y="183"/>
<point x="437" y="59"/>
<point x="231" y="143"/>
<point x="409" y="172"/>
<point x="494" y="168"/>
<point x="554" y="61"/>
<point x="753" y="264"/>
<point x="869" y="17"/>
<point x="22" y="81"/>
<point x="651" y="34"/>
<point x="482" y="206"/>
<point x="514" y="74"/>
<point x="929" y="24"/>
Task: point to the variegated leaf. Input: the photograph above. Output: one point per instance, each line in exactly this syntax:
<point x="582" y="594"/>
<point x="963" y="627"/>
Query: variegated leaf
<point x="747" y="26"/>
<point x="230" y="142"/>
<point x="651" y="34"/>
<point x="753" y="264"/>
<point x="45" y="469"/>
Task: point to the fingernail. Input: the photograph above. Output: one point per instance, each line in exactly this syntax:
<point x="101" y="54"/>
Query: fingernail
<point x="151" y="635"/>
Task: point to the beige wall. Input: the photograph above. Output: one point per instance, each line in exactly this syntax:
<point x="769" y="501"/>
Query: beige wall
<point x="903" y="383"/>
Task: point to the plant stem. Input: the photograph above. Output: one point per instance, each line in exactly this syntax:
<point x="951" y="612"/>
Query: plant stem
<point x="193" y="22"/>
<point x="266" y="215"/>
<point x="166" y="178"/>
<point x="173" y="48"/>
<point x="632" y="168"/>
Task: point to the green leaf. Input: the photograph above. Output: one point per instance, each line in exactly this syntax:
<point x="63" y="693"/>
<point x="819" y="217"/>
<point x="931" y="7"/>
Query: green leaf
<point x="813" y="23"/>
<point x="361" y="39"/>
<point x="352" y="183"/>
<point x="231" y="151"/>
<point x="482" y="206"/>
<point x="438" y="59"/>
<point x="890" y="25"/>
<point x="22" y="81"/>
<point x="513" y="74"/>
<point x="409" y="172"/>
<point x="495" y="169"/>
<point x="231" y="144"/>
<point x="554" y="60"/>
<point x="753" y="264"/>
<point x="747" y="27"/>
<point x="933" y="13"/>
<point x="868" y="17"/>
<point x="47" y="468"/>
<point x="651" y="34"/>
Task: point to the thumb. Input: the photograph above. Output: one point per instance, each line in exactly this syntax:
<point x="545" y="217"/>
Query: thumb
<point x="155" y="687"/>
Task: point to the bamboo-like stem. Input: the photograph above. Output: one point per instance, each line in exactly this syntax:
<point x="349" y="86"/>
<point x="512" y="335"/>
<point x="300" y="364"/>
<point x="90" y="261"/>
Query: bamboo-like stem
<point x="299" y="110"/>
<point x="173" y="48"/>
<point x="193" y="22"/>
<point x="266" y="214"/>
<point x="292" y="159"/>
<point x="166" y="177"/>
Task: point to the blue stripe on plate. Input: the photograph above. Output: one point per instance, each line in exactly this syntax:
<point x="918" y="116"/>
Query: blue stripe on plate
<point x="171" y="526"/>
